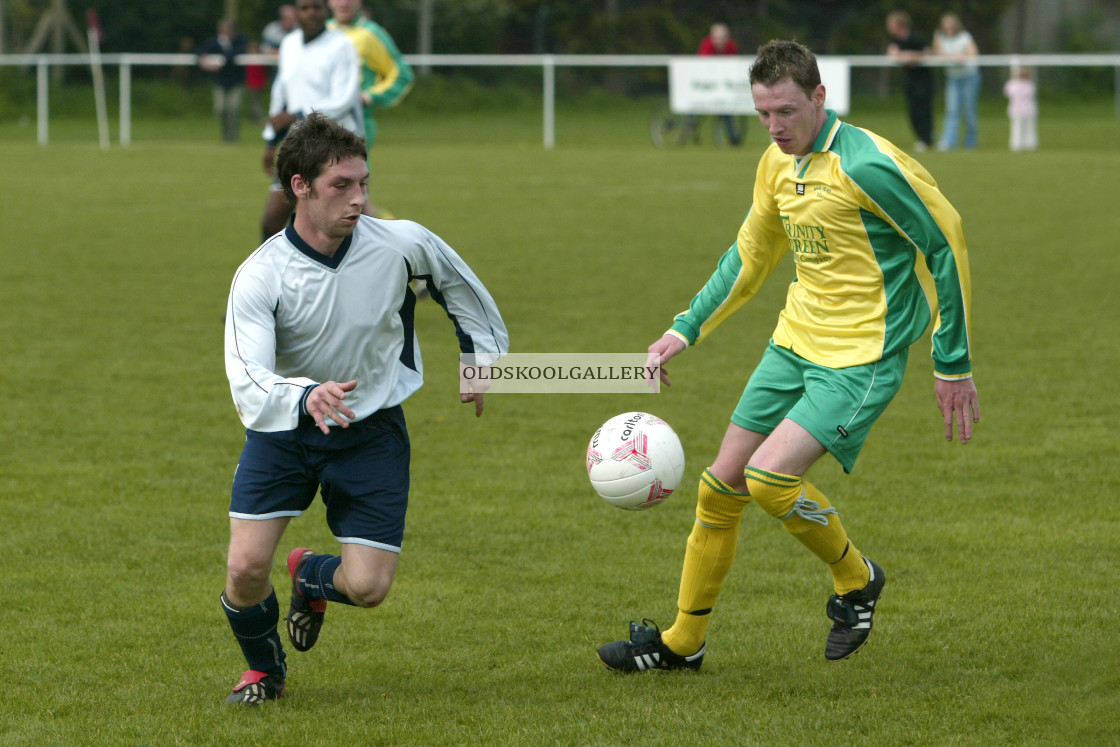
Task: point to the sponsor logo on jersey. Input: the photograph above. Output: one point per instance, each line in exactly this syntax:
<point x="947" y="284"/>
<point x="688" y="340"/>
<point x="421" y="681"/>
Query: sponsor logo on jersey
<point x="808" y="242"/>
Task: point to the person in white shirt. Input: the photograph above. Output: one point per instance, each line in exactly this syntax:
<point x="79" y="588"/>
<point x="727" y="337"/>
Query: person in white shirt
<point x="317" y="70"/>
<point x="962" y="82"/>
<point x="274" y="32"/>
<point x="320" y="353"/>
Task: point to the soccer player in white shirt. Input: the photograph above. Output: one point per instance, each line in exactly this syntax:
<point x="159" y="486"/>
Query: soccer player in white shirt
<point x="320" y="353"/>
<point x="317" y="70"/>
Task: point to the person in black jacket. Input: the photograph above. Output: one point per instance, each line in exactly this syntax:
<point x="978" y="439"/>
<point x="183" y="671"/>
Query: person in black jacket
<point x="908" y="48"/>
<point x="217" y="56"/>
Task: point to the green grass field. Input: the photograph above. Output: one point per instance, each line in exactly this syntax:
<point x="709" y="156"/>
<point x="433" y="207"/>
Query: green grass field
<point x="999" y="622"/>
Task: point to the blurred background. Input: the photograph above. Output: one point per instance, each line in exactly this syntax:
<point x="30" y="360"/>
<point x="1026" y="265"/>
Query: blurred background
<point x="609" y="27"/>
<point x="603" y="26"/>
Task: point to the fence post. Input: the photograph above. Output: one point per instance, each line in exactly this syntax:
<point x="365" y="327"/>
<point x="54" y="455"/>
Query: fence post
<point x="126" y="101"/>
<point x="43" y="116"/>
<point x="548" y="66"/>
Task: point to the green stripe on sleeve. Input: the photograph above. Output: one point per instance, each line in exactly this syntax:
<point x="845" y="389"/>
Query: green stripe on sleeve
<point x="908" y="214"/>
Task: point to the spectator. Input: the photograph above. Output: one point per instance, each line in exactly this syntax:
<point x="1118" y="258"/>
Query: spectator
<point x="719" y="42"/>
<point x="1022" y="109"/>
<point x="275" y="31"/>
<point x="216" y="56"/>
<point x="962" y="85"/>
<point x="909" y="49"/>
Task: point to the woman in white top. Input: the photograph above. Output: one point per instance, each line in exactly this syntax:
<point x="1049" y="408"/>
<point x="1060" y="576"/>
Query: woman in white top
<point x="962" y="83"/>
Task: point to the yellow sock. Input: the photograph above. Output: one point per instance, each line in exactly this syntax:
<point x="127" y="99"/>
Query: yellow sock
<point x="807" y="514"/>
<point x="711" y="549"/>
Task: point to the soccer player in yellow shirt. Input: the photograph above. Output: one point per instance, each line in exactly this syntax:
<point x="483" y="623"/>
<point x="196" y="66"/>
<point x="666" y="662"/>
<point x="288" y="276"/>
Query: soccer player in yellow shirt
<point x="878" y="252"/>
<point x="386" y="77"/>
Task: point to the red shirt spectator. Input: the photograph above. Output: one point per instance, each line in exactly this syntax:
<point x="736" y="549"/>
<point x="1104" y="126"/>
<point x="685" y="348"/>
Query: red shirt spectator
<point x="719" y="41"/>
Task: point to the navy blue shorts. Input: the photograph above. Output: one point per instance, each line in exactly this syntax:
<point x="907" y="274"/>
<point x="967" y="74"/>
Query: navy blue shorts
<point x="361" y="471"/>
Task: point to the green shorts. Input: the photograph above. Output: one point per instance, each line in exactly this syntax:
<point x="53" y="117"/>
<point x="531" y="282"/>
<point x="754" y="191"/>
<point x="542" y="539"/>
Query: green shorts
<point x="837" y="406"/>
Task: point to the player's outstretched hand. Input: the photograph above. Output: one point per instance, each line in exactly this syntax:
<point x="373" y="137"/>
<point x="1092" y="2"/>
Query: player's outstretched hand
<point x="473" y="388"/>
<point x="661" y="351"/>
<point x="477" y="398"/>
<point x="958" y="399"/>
<point x="326" y="401"/>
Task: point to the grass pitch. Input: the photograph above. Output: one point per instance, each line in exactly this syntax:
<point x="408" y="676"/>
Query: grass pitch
<point x="998" y="623"/>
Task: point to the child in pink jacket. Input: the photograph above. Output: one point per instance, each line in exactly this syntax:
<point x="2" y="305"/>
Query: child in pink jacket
<point x="1022" y="109"/>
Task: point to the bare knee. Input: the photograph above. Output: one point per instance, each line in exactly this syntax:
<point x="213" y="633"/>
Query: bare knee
<point x="728" y="467"/>
<point x="730" y="471"/>
<point x="247" y="578"/>
<point x="365" y="586"/>
<point x="369" y="592"/>
<point x="738" y="446"/>
<point x="365" y="575"/>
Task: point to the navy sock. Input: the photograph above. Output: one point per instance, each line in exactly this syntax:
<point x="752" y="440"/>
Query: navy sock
<point x="255" y="629"/>
<point x="316" y="579"/>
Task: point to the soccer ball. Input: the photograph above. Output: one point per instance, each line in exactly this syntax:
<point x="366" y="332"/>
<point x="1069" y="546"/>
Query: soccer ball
<point x="635" y="461"/>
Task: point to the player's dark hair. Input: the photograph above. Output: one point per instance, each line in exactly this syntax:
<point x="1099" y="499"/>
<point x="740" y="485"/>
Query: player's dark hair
<point x="779" y="59"/>
<point x="312" y="145"/>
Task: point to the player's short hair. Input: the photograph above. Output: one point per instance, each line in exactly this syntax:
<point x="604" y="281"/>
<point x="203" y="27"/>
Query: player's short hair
<point x="778" y="60"/>
<point x="312" y="145"/>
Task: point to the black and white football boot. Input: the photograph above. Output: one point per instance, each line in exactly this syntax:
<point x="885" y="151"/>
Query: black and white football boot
<point x="852" y="615"/>
<point x="645" y="651"/>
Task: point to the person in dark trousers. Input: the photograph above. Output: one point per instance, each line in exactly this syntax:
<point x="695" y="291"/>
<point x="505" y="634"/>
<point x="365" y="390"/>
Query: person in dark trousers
<point x="217" y="56"/>
<point x="910" y="49"/>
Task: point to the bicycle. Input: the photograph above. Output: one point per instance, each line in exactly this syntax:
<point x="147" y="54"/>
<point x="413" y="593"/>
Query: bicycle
<point x="667" y="128"/>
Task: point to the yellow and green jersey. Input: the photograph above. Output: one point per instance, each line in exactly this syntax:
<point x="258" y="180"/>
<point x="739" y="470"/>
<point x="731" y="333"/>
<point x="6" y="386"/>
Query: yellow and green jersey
<point x="878" y="251"/>
<point x="386" y="77"/>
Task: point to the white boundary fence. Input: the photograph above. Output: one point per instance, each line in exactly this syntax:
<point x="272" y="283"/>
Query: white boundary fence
<point x="546" y="62"/>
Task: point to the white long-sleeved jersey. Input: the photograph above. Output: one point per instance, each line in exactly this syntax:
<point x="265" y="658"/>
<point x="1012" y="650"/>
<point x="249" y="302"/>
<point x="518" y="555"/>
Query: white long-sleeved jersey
<point x="322" y="75"/>
<point x="297" y="318"/>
